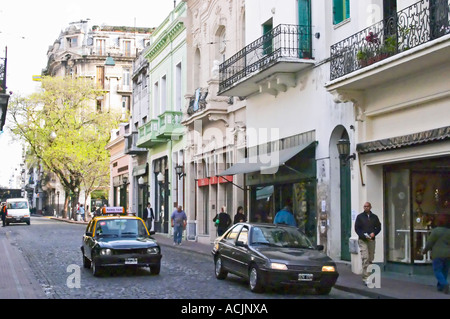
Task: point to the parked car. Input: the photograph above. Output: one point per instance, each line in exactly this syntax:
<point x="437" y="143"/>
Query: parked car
<point x="117" y="240"/>
<point x="273" y="255"/>
<point x="18" y="211"/>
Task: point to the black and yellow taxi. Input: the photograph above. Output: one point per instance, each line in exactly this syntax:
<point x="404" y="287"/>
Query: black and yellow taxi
<point x="115" y="239"/>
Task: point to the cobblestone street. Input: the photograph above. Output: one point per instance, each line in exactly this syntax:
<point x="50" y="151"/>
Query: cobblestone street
<point x="52" y="250"/>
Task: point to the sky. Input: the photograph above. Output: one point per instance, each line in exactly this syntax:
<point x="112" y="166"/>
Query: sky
<point x="28" y="28"/>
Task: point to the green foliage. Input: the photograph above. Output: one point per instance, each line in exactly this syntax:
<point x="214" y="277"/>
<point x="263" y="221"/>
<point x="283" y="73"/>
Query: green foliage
<point x="65" y="132"/>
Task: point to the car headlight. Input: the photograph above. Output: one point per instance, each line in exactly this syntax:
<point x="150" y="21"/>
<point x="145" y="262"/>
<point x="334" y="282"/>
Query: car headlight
<point x="153" y="250"/>
<point x="105" y="252"/>
<point x="328" y="269"/>
<point x="278" y="266"/>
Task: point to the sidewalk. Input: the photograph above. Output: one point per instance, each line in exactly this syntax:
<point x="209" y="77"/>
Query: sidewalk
<point x="393" y="285"/>
<point x="16" y="278"/>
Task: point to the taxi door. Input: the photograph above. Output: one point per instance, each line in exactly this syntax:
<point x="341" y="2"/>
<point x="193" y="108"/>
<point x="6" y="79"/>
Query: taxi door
<point x="88" y="239"/>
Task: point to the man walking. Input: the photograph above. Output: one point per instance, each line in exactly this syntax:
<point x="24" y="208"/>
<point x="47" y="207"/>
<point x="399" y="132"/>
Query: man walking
<point x="179" y="220"/>
<point x="148" y="216"/>
<point x="367" y="226"/>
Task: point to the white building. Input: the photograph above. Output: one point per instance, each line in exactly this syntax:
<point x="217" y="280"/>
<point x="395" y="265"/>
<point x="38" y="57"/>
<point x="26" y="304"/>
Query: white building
<point x="306" y="91"/>
<point x="215" y="124"/>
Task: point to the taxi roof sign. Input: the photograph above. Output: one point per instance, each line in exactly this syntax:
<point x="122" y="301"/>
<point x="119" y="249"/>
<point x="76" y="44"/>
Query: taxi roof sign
<point x="113" y="210"/>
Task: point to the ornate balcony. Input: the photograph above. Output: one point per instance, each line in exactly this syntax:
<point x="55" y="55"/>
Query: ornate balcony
<point x="148" y="135"/>
<point x="166" y="126"/>
<point x="267" y="64"/>
<point x="411" y="27"/>
<point x="170" y="125"/>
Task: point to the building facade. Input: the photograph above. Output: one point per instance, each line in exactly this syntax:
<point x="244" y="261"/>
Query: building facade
<point x="393" y="74"/>
<point x="139" y="114"/>
<point x="311" y="84"/>
<point x="160" y="130"/>
<point x="215" y="125"/>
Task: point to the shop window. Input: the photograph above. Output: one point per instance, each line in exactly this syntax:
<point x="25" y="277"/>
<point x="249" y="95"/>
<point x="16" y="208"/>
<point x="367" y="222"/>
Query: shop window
<point x="414" y="198"/>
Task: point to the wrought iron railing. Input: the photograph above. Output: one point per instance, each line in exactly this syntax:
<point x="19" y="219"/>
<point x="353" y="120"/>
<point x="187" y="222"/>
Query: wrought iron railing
<point x="417" y="24"/>
<point x="282" y="42"/>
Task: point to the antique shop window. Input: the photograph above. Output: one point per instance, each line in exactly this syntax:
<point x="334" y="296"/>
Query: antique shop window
<point x="414" y="198"/>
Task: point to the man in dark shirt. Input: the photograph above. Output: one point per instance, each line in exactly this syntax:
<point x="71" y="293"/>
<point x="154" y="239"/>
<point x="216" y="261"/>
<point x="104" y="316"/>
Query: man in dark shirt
<point x="367" y="226"/>
<point x="148" y="216"/>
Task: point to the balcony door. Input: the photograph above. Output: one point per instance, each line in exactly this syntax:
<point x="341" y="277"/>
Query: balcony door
<point x="304" y="22"/>
<point x="389" y="8"/>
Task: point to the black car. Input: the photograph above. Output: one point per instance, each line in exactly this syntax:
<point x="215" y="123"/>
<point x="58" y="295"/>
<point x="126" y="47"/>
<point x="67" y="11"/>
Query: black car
<point x="273" y="255"/>
<point x="118" y="241"/>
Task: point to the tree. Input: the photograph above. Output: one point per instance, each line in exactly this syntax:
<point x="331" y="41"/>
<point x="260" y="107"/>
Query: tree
<point x="66" y="133"/>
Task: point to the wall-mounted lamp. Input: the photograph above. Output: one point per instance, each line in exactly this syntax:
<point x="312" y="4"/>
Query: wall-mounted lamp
<point x="343" y="146"/>
<point x="180" y="171"/>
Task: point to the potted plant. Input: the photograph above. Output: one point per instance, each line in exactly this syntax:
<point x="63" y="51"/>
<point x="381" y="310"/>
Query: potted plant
<point x="388" y="48"/>
<point x="364" y="55"/>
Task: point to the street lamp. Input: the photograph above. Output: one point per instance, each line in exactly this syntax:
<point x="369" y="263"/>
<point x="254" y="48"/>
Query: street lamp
<point x="4" y="98"/>
<point x="179" y="169"/>
<point x="343" y="146"/>
<point x="160" y="178"/>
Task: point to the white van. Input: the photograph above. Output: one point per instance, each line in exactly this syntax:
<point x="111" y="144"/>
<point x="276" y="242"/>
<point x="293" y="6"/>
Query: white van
<point x="18" y="211"/>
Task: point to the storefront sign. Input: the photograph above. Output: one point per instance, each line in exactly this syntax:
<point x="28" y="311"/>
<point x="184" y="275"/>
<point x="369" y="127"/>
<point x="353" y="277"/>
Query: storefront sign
<point x="220" y="179"/>
<point x="215" y="180"/>
<point x="203" y="182"/>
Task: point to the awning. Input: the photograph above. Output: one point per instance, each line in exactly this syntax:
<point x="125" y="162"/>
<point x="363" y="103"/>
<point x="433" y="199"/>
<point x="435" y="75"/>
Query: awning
<point x="435" y="135"/>
<point x="265" y="163"/>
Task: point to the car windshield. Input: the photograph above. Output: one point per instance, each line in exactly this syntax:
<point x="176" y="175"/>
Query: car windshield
<point x="120" y="228"/>
<point x="280" y="237"/>
<point x="18" y="205"/>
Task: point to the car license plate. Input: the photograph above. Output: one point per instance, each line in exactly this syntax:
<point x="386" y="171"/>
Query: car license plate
<point x="305" y="277"/>
<point x="131" y="261"/>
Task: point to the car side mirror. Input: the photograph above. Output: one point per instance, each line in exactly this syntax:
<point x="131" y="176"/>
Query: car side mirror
<point x="152" y="232"/>
<point x="241" y="244"/>
<point x="89" y="234"/>
<point x="320" y="247"/>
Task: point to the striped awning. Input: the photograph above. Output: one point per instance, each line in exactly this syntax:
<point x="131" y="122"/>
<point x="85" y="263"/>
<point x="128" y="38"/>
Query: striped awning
<point x="435" y="135"/>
